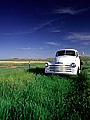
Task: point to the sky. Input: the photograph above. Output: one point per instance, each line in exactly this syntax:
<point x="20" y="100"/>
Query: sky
<point x="38" y="28"/>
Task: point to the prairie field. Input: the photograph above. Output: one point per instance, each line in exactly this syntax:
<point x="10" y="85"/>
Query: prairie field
<point x="30" y="94"/>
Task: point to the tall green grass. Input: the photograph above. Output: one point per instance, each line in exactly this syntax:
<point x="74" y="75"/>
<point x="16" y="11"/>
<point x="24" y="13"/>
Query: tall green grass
<point x="29" y="96"/>
<point x="35" y="96"/>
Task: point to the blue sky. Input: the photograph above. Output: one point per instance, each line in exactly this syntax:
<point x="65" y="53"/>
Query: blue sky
<point x="38" y="28"/>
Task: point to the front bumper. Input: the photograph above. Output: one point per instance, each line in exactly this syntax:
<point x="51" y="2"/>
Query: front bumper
<point x="61" y="69"/>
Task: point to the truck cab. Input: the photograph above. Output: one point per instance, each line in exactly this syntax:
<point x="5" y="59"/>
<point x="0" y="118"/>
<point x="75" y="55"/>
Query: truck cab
<point x="66" y="61"/>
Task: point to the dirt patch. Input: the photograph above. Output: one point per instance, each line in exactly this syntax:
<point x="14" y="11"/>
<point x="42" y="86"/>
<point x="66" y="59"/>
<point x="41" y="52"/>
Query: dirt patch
<point x="8" y="66"/>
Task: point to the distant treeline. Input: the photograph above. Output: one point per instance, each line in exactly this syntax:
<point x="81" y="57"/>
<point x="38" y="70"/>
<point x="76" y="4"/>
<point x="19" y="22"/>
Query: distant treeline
<point x="40" y="59"/>
<point x="84" y="58"/>
<point x="27" y="59"/>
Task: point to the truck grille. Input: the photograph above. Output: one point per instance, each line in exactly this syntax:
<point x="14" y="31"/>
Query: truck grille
<point x="60" y="68"/>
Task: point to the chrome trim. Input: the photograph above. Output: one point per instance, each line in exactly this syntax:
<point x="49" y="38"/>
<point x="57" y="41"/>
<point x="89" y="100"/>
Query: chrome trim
<point x="60" y="68"/>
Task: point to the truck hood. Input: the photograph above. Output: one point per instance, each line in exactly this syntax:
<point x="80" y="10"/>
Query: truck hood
<point x="65" y="59"/>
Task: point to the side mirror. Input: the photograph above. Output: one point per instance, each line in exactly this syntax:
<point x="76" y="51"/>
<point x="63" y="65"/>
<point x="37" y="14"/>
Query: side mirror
<point x="76" y="56"/>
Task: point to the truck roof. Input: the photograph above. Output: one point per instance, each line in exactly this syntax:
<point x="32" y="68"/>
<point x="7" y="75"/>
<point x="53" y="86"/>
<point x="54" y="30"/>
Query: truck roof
<point x="68" y="49"/>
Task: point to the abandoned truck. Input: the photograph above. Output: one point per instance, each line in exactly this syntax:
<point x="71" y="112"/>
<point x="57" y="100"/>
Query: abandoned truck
<point x="66" y="61"/>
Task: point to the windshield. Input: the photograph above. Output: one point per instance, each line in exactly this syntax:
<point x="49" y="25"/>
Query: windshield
<point x="72" y="53"/>
<point x="60" y="53"/>
<point x="67" y="52"/>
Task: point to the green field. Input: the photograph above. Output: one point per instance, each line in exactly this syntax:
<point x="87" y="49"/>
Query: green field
<point x="32" y="95"/>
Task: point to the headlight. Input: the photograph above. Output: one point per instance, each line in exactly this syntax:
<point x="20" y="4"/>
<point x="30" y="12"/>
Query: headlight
<point x="73" y="65"/>
<point x="46" y="64"/>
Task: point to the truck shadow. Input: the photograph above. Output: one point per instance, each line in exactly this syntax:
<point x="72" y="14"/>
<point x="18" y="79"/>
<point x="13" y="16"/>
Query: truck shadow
<point x="42" y="72"/>
<point x="37" y="71"/>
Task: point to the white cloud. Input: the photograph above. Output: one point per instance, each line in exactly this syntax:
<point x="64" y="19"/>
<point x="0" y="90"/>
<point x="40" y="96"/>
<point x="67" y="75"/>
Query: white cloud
<point x="26" y="48"/>
<point x="73" y="41"/>
<point x="41" y="48"/>
<point x="34" y="29"/>
<point x="69" y="10"/>
<point x="45" y="24"/>
<point x="83" y="38"/>
<point x="56" y="31"/>
<point x="86" y="43"/>
<point x="18" y="33"/>
<point x="78" y="36"/>
<point x="53" y="43"/>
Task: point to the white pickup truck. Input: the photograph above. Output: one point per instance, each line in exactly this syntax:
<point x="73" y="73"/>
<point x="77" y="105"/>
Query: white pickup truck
<point x="66" y="61"/>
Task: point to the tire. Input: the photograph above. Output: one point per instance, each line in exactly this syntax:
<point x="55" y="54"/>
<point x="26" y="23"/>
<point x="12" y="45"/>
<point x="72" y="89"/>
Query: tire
<point x="78" y="70"/>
